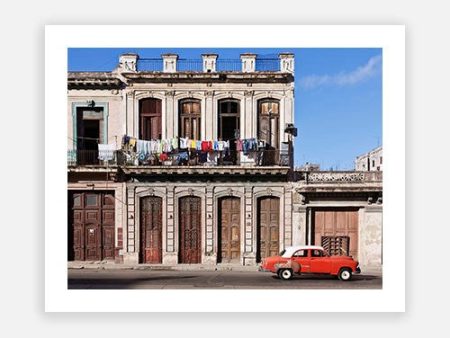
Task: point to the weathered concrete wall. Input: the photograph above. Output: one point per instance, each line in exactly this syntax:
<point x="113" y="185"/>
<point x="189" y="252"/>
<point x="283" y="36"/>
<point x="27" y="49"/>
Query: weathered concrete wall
<point x="370" y="238"/>
<point x="112" y="100"/>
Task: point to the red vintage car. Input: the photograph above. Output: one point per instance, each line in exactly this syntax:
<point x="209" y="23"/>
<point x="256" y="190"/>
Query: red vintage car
<point x="308" y="259"/>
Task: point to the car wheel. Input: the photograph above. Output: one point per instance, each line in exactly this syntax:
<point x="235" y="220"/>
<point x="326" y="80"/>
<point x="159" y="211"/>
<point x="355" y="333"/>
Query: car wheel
<point x="345" y="274"/>
<point x="285" y="274"/>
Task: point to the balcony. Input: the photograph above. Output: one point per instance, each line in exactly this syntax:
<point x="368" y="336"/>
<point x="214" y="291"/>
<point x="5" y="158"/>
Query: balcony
<point x="123" y="158"/>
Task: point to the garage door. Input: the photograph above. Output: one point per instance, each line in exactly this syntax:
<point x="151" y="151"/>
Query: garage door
<point x="336" y="230"/>
<point x="91" y="226"/>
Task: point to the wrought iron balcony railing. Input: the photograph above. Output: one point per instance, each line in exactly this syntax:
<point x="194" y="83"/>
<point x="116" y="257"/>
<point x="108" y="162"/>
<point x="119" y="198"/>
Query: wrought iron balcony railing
<point x="265" y="157"/>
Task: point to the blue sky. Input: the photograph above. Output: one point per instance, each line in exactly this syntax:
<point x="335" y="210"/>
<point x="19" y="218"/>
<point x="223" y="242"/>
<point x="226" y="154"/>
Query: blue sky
<point x="338" y="95"/>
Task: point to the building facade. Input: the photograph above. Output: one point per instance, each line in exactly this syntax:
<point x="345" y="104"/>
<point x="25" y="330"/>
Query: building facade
<point x="181" y="204"/>
<point x="370" y="161"/>
<point x="174" y="161"/>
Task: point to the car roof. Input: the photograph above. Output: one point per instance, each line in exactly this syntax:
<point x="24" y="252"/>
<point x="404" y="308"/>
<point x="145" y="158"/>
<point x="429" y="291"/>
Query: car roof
<point x="290" y="250"/>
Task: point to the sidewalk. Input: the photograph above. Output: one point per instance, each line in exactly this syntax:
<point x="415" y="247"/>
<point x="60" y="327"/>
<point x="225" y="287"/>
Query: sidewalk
<point x="158" y="267"/>
<point x="105" y="265"/>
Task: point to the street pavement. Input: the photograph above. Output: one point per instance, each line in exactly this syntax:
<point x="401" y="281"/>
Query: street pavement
<point x="160" y="279"/>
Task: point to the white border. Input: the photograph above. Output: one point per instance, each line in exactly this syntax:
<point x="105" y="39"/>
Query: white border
<point x="390" y="298"/>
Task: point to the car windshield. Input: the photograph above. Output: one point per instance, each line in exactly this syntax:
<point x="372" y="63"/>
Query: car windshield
<point x="282" y="252"/>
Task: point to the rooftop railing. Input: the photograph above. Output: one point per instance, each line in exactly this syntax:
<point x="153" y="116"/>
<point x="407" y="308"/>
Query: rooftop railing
<point x="196" y="65"/>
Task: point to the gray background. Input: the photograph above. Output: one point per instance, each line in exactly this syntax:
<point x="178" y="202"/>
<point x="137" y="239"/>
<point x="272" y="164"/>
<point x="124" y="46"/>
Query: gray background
<point x="22" y="132"/>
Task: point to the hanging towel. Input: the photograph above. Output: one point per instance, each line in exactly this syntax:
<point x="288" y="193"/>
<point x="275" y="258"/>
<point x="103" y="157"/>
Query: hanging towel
<point x="184" y="142"/>
<point x="238" y="145"/>
<point x="106" y="151"/>
<point x="175" y="143"/>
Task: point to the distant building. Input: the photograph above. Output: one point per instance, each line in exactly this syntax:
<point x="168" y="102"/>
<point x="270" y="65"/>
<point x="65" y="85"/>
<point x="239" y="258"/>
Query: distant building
<point x="371" y="161"/>
<point x="309" y="167"/>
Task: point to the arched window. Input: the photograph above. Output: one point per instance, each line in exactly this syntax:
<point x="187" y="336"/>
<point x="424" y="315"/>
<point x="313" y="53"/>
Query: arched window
<point x="190" y="120"/>
<point x="150" y="119"/>
<point x="269" y="122"/>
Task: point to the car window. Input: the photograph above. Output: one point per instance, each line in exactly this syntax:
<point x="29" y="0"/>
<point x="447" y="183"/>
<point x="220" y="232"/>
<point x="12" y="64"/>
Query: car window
<point x="316" y="253"/>
<point x="300" y="253"/>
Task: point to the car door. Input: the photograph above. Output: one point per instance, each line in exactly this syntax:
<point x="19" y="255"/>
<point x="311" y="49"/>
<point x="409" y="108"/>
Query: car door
<point x="319" y="261"/>
<point x="301" y="257"/>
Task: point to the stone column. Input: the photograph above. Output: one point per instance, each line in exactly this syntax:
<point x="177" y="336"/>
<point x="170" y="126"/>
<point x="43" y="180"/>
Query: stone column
<point x="170" y="256"/>
<point x="248" y="61"/>
<point x="211" y="254"/>
<point x="169" y="117"/>
<point x="128" y="63"/>
<point x="209" y="63"/>
<point x="247" y="119"/>
<point x="169" y="63"/>
<point x="286" y="62"/>
<point x="250" y="237"/>
<point x="130" y="113"/>
<point x="208" y="124"/>
<point x="299" y="221"/>
<point x="131" y="256"/>
<point x="287" y="217"/>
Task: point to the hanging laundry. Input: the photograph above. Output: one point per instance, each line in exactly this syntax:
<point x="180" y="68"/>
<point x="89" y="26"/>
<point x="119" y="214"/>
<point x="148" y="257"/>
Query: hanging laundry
<point x="106" y="152"/>
<point x="132" y="141"/>
<point x="239" y="145"/>
<point x="183" y="156"/>
<point x="212" y="158"/>
<point x="184" y="142"/>
<point x="206" y="146"/>
<point x="163" y="157"/>
<point x="175" y="143"/>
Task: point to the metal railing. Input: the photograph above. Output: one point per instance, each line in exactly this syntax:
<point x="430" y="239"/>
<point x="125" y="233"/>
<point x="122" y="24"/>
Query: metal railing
<point x="318" y="177"/>
<point x="196" y="65"/>
<point x="264" y="157"/>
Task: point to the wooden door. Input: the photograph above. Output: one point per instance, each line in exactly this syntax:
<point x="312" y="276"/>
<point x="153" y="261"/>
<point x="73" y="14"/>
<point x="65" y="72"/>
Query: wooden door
<point x="151" y="230"/>
<point x="229" y="230"/>
<point x="150" y="123"/>
<point x="190" y="230"/>
<point x="91" y="226"/>
<point x="336" y="230"/>
<point x="268" y="227"/>
<point x="108" y="225"/>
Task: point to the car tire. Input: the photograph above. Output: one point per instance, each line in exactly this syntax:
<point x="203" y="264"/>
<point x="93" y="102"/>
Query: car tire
<point x="345" y="274"/>
<point x="285" y="274"/>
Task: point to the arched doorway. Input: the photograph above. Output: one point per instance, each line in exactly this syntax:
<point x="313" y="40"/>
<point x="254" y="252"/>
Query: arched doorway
<point x="229" y="229"/>
<point x="190" y="230"/>
<point x="151" y="230"/>
<point x="268" y="227"/>
<point x="150" y="119"/>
